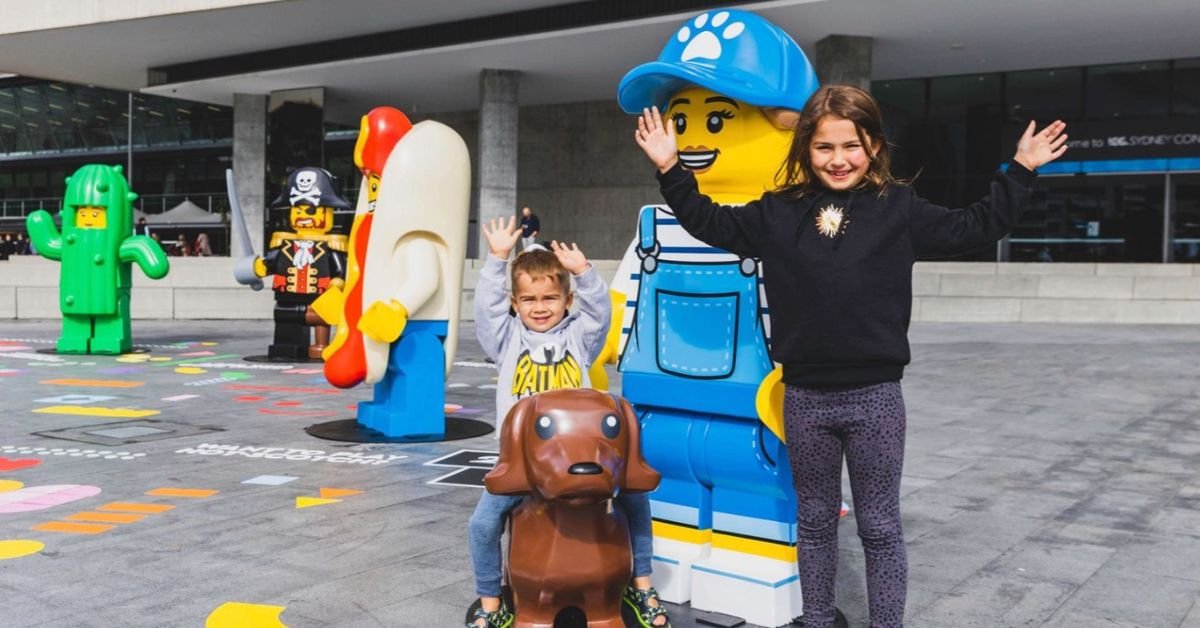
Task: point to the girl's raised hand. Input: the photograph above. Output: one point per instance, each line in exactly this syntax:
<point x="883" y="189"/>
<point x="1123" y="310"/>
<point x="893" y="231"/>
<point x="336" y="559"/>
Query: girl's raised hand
<point x="570" y="257"/>
<point x="502" y="236"/>
<point x="1035" y="150"/>
<point x="656" y="141"/>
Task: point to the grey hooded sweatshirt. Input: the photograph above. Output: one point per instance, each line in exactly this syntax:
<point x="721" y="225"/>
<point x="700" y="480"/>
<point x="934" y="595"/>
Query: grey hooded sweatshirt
<point x="531" y="362"/>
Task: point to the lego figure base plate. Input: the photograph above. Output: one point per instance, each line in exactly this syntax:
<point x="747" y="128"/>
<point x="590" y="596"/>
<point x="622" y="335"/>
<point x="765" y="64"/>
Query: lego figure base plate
<point x="351" y="431"/>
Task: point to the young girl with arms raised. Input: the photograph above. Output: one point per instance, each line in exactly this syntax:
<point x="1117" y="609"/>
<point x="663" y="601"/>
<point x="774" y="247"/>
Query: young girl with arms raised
<point x="838" y="240"/>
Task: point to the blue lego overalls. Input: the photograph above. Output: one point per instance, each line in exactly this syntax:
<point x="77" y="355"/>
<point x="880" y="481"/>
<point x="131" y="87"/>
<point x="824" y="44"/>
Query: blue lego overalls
<point x="692" y="365"/>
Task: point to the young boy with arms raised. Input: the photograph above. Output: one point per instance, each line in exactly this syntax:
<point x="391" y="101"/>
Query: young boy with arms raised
<point x="837" y="242"/>
<point x="543" y="348"/>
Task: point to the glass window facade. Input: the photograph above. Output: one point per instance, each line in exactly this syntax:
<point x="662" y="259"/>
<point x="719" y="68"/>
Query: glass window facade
<point x="1129" y="195"/>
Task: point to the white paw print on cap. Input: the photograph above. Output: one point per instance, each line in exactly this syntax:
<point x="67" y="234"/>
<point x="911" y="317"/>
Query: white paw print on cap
<point x="704" y="43"/>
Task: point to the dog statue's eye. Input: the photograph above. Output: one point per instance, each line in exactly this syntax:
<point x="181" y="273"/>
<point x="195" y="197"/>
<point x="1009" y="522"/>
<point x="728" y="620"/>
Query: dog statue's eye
<point x="611" y="426"/>
<point x="545" y="427"/>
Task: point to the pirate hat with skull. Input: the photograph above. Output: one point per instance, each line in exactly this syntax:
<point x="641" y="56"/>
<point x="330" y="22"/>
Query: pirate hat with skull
<point x="313" y="187"/>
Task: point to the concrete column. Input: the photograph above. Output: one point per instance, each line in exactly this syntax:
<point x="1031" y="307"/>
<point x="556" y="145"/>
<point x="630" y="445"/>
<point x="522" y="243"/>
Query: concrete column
<point x="497" y="163"/>
<point x="250" y="165"/>
<point x="844" y="60"/>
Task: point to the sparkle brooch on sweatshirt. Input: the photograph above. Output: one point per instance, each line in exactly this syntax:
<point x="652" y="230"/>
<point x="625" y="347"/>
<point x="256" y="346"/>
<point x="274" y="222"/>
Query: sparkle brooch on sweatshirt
<point x="829" y="220"/>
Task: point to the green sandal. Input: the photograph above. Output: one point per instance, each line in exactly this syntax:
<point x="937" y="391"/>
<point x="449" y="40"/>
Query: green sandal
<point x="639" y="600"/>
<point x="502" y="618"/>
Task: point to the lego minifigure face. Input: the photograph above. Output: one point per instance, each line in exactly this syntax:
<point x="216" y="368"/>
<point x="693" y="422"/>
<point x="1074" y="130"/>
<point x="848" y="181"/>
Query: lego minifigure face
<point x="372" y="191"/>
<point x="91" y="218"/>
<point x="730" y="145"/>
<point x="308" y="219"/>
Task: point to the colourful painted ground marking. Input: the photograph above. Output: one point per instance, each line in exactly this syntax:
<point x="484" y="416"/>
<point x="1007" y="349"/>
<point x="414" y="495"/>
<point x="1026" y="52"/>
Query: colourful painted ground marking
<point x="17" y="548"/>
<point x="182" y="492"/>
<point x="290" y="389"/>
<point x="70" y="527"/>
<point x="136" y="358"/>
<point x="331" y="493"/>
<point x="209" y="344"/>
<point x="180" y="397"/>
<point x="248" y="398"/>
<point x="93" y="383"/>
<point x="8" y="372"/>
<point x="16" y="464"/>
<point x="105" y="517"/>
<point x="451" y="408"/>
<point x="245" y="614"/>
<point x="270" y="480"/>
<point x="227" y="376"/>
<point x="10" y="485"/>
<point x="287" y="404"/>
<point x="309" y="502"/>
<point x="308" y="413"/>
<point x="149" y="509"/>
<point x="190" y="370"/>
<point x="42" y="497"/>
<point x="107" y="413"/>
<point x="197" y="354"/>
<point x="160" y="359"/>
<point x="74" y="399"/>
<point x="302" y="372"/>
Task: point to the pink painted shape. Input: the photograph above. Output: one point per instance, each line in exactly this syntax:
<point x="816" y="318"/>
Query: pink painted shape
<point x="41" y="497"/>
<point x="197" y="354"/>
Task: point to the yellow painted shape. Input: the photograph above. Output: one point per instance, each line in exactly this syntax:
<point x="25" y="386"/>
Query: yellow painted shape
<point x="309" y="502"/>
<point x="330" y="493"/>
<point x="681" y="533"/>
<point x="769" y="402"/>
<point x="105" y="517"/>
<point x="94" y="383"/>
<point x="16" y="548"/>
<point x="183" y="492"/>
<point x="190" y="370"/>
<point x="73" y="528"/>
<point x="757" y="547"/>
<point x="109" y="413"/>
<point x="134" y="358"/>
<point x="10" y="485"/>
<point x="160" y="359"/>
<point x="208" y="344"/>
<point x="245" y="615"/>
<point x="149" y="509"/>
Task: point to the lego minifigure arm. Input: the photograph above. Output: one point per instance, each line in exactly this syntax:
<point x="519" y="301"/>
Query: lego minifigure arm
<point x="384" y="321"/>
<point x="493" y="308"/>
<point x="147" y="254"/>
<point x="44" y="235"/>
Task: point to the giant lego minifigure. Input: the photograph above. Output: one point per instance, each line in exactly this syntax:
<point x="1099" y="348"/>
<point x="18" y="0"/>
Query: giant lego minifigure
<point x="96" y="248"/>
<point x="305" y="262"/>
<point x="696" y="352"/>
<point x="397" y="315"/>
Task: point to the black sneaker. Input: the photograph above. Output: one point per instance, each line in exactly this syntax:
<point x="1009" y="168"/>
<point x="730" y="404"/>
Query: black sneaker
<point x="639" y="600"/>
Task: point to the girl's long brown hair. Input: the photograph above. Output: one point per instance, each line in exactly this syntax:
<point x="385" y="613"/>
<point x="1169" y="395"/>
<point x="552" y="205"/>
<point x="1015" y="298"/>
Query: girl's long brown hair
<point x="796" y="176"/>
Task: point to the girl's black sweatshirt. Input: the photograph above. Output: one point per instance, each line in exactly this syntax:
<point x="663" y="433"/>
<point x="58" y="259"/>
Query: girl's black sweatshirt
<point x="840" y="291"/>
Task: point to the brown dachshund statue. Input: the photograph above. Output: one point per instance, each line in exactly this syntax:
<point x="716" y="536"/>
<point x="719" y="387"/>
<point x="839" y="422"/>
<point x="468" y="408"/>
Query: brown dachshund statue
<point x="571" y="451"/>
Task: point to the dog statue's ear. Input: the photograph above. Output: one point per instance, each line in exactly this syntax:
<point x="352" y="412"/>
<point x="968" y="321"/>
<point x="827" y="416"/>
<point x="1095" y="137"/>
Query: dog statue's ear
<point x="510" y="476"/>
<point x="638" y="477"/>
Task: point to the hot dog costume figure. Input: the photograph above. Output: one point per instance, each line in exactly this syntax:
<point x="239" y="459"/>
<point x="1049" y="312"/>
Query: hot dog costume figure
<point x="305" y="262"/>
<point x="96" y="248"/>
<point x="696" y="351"/>
<point x="397" y="315"/>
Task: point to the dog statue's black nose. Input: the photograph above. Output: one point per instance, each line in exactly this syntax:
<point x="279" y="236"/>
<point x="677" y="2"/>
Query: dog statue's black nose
<point x="585" y="468"/>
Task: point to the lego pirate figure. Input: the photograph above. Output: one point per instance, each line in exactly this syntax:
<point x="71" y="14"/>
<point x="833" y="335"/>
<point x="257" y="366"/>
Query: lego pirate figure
<point x="397" y="316"/>
<point x="96" y="248"/>
<point x="305" y="262"/>
<point x="696" y="351"/>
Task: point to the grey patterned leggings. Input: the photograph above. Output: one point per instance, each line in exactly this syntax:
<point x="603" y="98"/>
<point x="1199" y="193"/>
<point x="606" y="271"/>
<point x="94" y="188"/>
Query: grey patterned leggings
<point x="867" y="426"/>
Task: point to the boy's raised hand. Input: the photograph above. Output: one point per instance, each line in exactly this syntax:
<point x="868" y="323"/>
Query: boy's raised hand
<point x="502" y="235"/>
<point x="656" y="141"/>
<point x="570" y="257"/>
<point x="1035" y="150"/>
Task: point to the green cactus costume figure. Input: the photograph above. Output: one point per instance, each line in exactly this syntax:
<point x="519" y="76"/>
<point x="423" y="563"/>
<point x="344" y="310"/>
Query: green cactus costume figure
<point x="96" y="248"/>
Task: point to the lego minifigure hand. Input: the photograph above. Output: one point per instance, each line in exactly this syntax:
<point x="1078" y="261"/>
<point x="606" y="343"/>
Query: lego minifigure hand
<point x="329" y="305"/>
<point x="769" y="402"/>
<point x="383" y="321"/>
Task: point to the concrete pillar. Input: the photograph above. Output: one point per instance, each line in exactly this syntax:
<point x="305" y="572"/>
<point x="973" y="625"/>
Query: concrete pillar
<point x="498" y="114"/>
<point x="844" y="60"/>
<point x="250" y="166"/>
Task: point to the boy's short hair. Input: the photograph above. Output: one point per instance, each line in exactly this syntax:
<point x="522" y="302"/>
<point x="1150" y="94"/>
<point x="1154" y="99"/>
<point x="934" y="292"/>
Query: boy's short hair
<point x="540" y="263"/>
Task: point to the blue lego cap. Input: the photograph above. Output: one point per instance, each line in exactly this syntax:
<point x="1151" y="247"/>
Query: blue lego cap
<point x="734" y="53"/>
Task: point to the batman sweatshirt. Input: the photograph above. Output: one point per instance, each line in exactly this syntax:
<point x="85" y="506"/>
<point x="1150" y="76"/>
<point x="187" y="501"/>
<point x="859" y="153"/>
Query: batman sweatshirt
<point x="837" y="266"/>
<point x="530" y="362"/>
